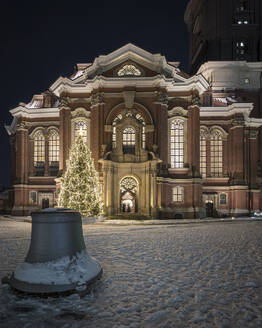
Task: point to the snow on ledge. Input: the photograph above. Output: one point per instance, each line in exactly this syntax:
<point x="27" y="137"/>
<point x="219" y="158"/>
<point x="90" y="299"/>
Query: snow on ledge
<point x="78" y="269"/>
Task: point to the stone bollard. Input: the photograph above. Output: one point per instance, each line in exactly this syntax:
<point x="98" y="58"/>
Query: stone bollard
<point x="57" y="260"/>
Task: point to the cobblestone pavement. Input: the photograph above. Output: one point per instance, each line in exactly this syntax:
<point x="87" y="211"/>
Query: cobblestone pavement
<point x="192" y="275"/>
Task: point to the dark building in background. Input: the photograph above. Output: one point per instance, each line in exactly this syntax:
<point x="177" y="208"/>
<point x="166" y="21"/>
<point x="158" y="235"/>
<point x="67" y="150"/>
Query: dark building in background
<point x="224" y="30"/>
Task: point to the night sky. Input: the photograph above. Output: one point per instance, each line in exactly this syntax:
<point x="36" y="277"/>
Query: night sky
<point x="42" y="40"/>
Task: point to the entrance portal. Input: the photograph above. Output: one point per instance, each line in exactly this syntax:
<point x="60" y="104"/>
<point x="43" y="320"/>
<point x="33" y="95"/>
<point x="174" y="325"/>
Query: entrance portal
<point x="209" y="208"/>
<point x="45" y="203"/>
<point x="128" y="189"/>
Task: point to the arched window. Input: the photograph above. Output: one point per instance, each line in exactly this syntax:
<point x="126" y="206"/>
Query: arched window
<point x="177" y="143"/>
<point x="81" y="126"/>
<point x="53" y="147"/>
<point x="203" y="154"/>
<point x="39" y="149"/>
<point x="223" y="199"/>
<point x="129" y="139"/>
<point x="178" y="194"/>
<point x="216" y="153"/>
<point x="116" y="119"/>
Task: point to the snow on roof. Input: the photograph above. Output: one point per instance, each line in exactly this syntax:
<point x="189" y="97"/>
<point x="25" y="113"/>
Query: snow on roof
<point x="35" y="103"/>
<point x="230" y="99"/>
<point x="76" y="74"/>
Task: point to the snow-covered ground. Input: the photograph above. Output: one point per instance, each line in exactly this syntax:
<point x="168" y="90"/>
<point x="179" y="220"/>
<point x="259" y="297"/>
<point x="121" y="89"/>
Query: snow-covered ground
<point x="192" y="275"/>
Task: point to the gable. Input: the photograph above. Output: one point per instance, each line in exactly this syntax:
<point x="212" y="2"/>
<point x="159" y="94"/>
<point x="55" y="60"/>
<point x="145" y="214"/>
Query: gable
<point x="129" y="68"/>
<point x="148" y="64"/>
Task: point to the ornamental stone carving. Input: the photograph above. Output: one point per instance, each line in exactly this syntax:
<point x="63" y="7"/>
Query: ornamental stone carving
<point x="64" y="103"/>
<point x="162" y="97"/>
<point x="21" y="126"/>
<point x="196" y="100"/>
<point x="253" y="134"/>
<point x="239" y="121"/>
<point x="129" y="98"/>
<point x="96" y="99"/>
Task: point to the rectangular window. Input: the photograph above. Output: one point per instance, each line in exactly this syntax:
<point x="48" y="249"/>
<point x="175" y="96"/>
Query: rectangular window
<point x="178" y="194"/>
<point x="32" y="197"/>
<point x="223" y="199"/>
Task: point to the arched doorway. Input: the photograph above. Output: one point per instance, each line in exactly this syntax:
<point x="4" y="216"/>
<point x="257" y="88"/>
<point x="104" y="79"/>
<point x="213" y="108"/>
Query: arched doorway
<point x="128" y="195"/>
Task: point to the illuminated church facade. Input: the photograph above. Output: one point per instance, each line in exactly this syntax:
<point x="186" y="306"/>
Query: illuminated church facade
<point x="165" y="144"/>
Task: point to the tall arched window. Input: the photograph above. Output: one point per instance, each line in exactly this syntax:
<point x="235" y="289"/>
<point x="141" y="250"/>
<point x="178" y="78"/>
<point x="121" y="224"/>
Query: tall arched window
<point x="129" y="139"/>
<point x="203" y="153"/>
<point x="53" y="147"/>
<point x="81" y="126"/>
<point x="216" y="153"/>
<point x="177" y="143"/>
<point x="39" y="149"/>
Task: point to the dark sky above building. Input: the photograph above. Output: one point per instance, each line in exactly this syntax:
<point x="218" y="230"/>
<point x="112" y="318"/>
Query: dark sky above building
<point x="42" y="40"/>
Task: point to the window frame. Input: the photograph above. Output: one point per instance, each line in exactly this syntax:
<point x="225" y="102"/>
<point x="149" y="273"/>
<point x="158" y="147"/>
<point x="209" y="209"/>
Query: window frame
<point x="178" y="194"/>
<point x="53" y="146"/>
<point x="184" y="155"/>
<point x="39" y="147"/>
<point x="216" y="154"/>
<point x="226" y="198"/>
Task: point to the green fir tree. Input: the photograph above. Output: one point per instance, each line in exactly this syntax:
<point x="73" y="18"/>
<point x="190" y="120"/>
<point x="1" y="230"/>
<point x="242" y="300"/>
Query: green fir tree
<point x="80" y="187"/>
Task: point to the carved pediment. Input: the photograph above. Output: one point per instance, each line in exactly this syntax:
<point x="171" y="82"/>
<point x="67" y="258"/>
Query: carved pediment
<point x="80" y="112"/>
<point x="177" y="111"/>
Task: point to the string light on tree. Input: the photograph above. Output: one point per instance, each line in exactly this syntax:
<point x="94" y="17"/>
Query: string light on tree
<point x="80" y="186"/>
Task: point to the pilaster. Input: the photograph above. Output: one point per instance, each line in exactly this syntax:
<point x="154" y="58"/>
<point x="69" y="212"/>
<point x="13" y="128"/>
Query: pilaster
<point x="161" y="132"/>
<point x="64" y="133"/>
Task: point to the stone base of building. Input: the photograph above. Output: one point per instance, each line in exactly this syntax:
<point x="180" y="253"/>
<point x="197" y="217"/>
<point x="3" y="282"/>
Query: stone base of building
<point x="23" y="210"/>
<point x="176" y="213"/>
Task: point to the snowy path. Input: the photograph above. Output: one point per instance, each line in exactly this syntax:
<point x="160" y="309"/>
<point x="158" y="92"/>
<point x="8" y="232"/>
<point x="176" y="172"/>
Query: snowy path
<point x="205" y="275"/>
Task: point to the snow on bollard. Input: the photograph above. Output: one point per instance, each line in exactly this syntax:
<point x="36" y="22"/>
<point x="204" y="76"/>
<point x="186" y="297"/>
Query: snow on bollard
<point x="57" y="260"/>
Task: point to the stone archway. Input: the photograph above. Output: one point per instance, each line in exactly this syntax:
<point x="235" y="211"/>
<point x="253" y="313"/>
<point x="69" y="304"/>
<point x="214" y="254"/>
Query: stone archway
<point x="128" y="195"/>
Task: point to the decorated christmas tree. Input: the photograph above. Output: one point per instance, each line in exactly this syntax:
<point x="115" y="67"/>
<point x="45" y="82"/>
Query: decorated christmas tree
<point x="80" y="187"/>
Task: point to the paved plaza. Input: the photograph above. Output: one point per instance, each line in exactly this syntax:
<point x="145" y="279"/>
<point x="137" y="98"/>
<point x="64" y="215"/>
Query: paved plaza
<point x="186" y="275"/>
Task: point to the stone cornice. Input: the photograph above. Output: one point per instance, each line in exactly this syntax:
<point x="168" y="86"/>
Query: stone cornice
<point x="197" y="82"/>
<point x="21" y="111"/>
<point x="236" y="108"/>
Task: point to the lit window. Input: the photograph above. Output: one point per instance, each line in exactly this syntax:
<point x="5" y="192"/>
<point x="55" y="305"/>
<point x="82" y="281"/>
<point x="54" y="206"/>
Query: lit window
<point x="32" y="197"/>
<point x="203" y="154"/>
<point x="223" y="199"/>
<point x="216" y="154"/>
<point x="178" y="194"/>
<point x="116" y="119"/>
<point x="140" y="118"/>
<point x="128" y="184"/>
<point x="177" y="143"/>
<point x="81" y="126"/>
<point x="53" y="147"/>
<point x="39" y="149"/>
<point x="241" y="49"/>
<point x="129" y="139"/>
<point x="129" y="70"/>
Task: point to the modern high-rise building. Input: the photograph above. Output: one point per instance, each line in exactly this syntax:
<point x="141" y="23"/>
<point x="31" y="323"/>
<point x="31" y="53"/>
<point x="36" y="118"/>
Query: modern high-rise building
<point x="224" y="30"/>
